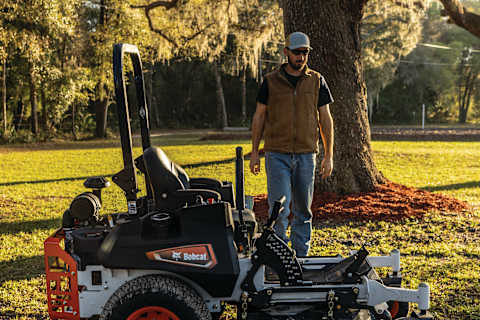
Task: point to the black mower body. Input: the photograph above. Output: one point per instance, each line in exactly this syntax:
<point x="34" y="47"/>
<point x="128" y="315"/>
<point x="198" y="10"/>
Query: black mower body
<point x="132" y="245"/>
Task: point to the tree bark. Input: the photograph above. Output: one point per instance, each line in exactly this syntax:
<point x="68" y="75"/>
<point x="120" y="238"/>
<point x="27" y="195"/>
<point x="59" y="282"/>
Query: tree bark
<point x="18" y="115"/>
<point x="221" y="106"/>
<point x="465" y="97"/>
<point x="101" y="110"/>
<point x="101" y="102"/>
<point x="149" y="74"/>
<point x="4" y="96"/>
<point x="43" y="99"/>
<point x="333" y="27"/>
<point x="74" y="130"/>
<point x="243" y="80"/>
<point x="461" y="16"/>
<point x="33" y="101"/>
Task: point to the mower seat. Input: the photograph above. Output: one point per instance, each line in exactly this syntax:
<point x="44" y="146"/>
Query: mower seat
<point x="225" y="188"/>
<point x="169" y="192"/>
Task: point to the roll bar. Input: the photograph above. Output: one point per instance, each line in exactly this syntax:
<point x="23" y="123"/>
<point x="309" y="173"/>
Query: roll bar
<point x="127" y="179"/>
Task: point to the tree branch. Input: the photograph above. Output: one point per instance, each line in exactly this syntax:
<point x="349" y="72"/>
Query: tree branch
<point x="166" y="4"/>
<point x="462" y="17"/>
<point x="416" y="4"/>
<point x="187" y="39"/>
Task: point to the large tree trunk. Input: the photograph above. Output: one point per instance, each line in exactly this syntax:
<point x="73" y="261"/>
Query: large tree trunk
<point x="4" y="96"/>
<point x="333" y="27"/>
<point x="33" y="100"/>
<point x="221" y="106"/>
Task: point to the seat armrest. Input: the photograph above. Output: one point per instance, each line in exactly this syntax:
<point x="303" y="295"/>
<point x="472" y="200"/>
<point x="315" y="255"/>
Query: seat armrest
<point x="205" y="183"/>
<point x="190" y="195"/>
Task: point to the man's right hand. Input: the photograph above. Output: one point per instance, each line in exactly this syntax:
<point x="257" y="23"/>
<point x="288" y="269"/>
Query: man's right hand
<point x="255" y="163"/>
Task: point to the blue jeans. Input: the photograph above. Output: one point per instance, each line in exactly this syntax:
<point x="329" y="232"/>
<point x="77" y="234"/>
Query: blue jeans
<point x="292" y="175"/>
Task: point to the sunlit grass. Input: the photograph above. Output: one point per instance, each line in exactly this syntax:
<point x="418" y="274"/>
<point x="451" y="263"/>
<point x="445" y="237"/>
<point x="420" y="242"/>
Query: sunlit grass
<point x="37" y="185"/>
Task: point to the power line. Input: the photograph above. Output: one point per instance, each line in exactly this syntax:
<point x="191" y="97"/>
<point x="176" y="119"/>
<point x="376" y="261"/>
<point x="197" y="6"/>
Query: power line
<point x="428" y="63"/>
<point x="437" y="46"/>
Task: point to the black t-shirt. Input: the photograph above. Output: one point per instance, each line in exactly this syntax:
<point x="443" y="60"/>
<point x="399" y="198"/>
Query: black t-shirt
<point x="324" y="95"/>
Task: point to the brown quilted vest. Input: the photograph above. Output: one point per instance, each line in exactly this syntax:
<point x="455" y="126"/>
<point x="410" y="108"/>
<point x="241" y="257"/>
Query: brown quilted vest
<point x="291" y="124"/>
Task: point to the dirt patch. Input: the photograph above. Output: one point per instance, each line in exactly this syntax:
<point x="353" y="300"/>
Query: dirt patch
<point x="227" y="136"/>
<point x="415" y="134"/>
<point x="383" y="134"/>
<point x="50" y="198"/>
<point x="389" y="201"/>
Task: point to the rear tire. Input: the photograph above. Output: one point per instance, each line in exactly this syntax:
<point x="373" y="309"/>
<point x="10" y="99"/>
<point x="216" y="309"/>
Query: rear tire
<point x="153" y="297"/>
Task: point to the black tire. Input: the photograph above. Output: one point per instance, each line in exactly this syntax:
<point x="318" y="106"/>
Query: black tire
<point x="163" y="294"/>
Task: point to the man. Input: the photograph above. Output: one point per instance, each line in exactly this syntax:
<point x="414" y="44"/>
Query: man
<point x="292" y="105"/>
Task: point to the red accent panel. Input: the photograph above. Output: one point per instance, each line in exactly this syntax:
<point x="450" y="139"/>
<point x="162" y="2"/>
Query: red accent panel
<point x="62" y="283"/>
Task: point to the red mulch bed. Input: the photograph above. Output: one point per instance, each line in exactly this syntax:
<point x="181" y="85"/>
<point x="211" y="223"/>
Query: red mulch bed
<point x="389" y="201"/>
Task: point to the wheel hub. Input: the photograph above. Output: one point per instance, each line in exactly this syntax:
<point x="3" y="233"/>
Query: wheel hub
<point x="153" y="313"/>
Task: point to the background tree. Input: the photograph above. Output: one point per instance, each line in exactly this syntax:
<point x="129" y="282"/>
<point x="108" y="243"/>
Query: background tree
<point x="6" y="38"/>
<point x="386" y="38"/>
<point x="334" y="30"/>
<point x="201" y="29"/>
<point x="258" y="25"/>
<point x="104" y="23"/>
<point x="469" y="73"/>
<point x="39" y="57"/>
<point x="429" y="75"/>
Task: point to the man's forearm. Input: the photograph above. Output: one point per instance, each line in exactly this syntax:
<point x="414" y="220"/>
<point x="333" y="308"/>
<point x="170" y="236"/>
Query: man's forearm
<point x="326" y="131"/>
<point x="258" y="124"/>
<point x="257" y="132"/>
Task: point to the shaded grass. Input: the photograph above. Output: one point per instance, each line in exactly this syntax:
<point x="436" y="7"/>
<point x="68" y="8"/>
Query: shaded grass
<point x="38" y="183"/>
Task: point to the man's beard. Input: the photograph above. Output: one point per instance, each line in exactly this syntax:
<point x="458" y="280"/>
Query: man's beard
<point x="295" y="66"/>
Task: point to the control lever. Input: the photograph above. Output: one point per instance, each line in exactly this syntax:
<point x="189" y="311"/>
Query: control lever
<point x="240" y="199"/>
<point x="277" y="209"/>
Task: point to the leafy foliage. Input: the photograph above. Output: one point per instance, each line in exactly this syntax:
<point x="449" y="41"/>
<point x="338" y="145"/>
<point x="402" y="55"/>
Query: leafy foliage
<point x="389" y="32"/>
<point x="429" y="75"/>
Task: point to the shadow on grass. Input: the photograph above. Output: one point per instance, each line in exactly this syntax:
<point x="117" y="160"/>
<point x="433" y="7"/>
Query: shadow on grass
<point x="22" y="315"/>
<point x="13" y="183"/>
<point x="28" y="226"/>
<point x="22" y="268"/>
<point x="454" y="186"/>
<point x="186" y="166"/>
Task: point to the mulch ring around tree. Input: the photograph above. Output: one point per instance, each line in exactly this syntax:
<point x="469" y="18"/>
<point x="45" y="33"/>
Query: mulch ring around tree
<point x="389" y="201"/>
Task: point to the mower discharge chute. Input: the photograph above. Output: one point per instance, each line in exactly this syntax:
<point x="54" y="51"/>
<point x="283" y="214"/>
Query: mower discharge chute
<point x="190" y="247"/>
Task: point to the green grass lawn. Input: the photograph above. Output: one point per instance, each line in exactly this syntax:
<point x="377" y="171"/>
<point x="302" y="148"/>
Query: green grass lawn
<point x="37" y="184"/>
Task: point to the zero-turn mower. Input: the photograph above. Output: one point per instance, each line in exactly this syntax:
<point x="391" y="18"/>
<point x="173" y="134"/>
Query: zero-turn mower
<point x="191" y="246"/>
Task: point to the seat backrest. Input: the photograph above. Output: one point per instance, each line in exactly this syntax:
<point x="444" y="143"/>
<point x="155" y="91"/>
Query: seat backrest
<point x="162" y="172"/>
